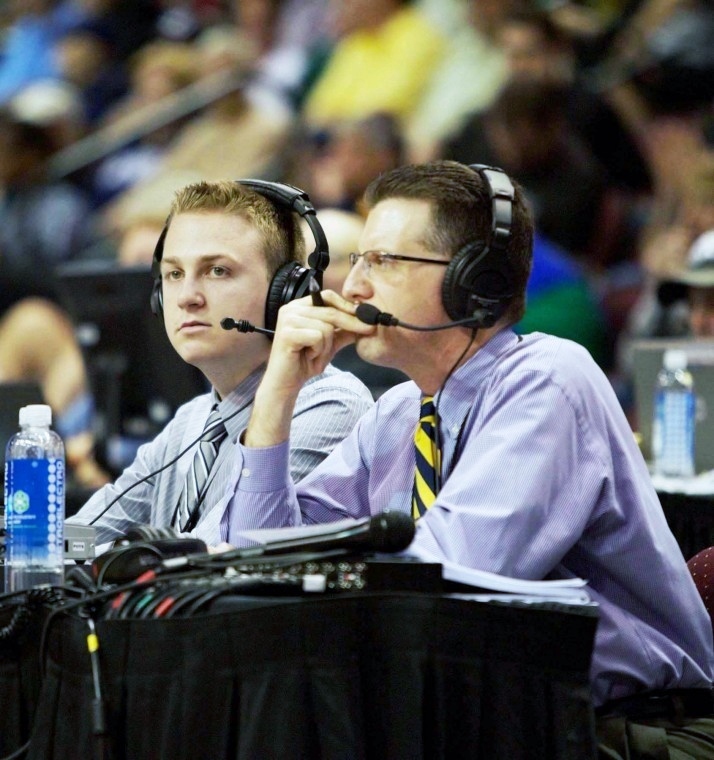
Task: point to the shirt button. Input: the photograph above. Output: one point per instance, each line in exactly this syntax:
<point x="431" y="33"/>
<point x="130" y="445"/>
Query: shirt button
<point x="245" y="472"/>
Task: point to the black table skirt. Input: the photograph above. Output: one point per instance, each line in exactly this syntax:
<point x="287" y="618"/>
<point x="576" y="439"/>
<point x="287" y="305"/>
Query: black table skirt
<point x="691" y="520"/>
<point x="390" y="675"/>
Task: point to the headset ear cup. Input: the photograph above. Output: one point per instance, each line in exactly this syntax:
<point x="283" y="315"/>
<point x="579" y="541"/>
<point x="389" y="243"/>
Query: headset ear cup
<point x="454" y="294"/>
<point x="157" y="299"/>
<point x="289" y="282"/>
<point x="477" y="285"/>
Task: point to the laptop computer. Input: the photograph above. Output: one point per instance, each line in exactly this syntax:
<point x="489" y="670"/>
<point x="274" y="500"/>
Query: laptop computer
<point x="647" y="362"/>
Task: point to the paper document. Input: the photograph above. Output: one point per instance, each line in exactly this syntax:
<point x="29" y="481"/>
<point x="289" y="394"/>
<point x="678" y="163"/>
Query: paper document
<point x="270" y="535"/>
<point x="571" y="590"/>
<point x="569" y="587"/>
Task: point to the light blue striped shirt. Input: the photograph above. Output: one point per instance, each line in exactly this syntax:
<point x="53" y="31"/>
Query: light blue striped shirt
<point x="543" y="479"/>
<point x="326" y="411"/>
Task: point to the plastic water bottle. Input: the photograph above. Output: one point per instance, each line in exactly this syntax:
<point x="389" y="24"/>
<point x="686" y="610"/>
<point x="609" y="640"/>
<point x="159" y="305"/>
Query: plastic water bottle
<point x="674" y="417"/>
<point x="34" y="502"/>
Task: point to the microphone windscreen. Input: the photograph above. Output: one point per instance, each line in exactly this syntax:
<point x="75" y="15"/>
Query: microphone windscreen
<point x="228" y="324"/>
<point x="391" y="531"/>
<point x="368" y="314"/>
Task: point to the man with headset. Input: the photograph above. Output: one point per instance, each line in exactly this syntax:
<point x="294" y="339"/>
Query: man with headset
<point x="521" y="461"/>
<point x="224" y="246"/>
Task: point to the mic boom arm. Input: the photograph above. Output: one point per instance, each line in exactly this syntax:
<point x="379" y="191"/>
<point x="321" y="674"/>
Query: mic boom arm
<point x="244" y="326"/>
<point x="371" y="315"/>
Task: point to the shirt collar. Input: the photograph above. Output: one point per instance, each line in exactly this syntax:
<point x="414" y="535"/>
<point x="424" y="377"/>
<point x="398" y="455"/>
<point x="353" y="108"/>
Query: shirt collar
<point x="241" y="397"/>
<point x="462" y="389"/>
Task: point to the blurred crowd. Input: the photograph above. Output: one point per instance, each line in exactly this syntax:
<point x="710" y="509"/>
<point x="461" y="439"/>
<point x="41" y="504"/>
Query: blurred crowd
<point x="603" y="110"/>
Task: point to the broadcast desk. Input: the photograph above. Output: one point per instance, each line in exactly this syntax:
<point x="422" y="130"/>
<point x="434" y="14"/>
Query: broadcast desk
<point x="353" y="675"/>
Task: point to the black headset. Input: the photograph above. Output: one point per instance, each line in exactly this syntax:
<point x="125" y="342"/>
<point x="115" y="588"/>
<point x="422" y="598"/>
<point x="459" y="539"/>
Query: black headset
<point x="478" y="283"/>
<point x="291" y="280"/>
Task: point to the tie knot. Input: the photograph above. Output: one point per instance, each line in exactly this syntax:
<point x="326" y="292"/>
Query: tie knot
<point x="214" y="427"/>
<point x="427" y="407"/>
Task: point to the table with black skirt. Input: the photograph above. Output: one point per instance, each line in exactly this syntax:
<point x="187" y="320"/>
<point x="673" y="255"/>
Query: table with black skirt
<point x="350" y="675"/>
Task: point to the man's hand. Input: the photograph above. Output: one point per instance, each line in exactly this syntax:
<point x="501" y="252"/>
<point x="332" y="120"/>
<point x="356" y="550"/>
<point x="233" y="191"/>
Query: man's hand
<point x="220" y="548"/>
<point x="306" y="339"/>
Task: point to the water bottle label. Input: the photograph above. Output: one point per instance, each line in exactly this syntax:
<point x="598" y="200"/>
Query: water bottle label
<point x="673" y="433"/>
<point x="34" y="502"/>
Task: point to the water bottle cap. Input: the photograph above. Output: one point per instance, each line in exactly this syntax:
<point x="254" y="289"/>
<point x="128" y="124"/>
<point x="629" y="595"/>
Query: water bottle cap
<point x="36" y="415"/>
<point x="674" y="359"/>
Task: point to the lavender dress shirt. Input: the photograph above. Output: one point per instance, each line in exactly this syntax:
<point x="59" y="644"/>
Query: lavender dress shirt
<point x="543" y="479"/>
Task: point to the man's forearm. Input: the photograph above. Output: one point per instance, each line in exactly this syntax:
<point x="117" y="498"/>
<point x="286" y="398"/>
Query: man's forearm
<point x="270" y="419"/>
<point x="306" y="338"/>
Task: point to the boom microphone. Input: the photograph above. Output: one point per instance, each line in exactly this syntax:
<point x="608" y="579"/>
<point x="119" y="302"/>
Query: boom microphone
<point x="371" y="315"/>
<point x="244" y="326"/>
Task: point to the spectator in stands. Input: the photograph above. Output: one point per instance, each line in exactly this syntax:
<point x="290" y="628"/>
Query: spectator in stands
<point x="680" y="303"/>
<point x="37" y="344"/>
<point x="666" y="306"/>
<point x="232" y="137"/>
<point x="468" y="77"/>
<point x="138" y="240"/>
<point x="536" y="47"/>
<point x="133" y="244"/>
<point x="87" y="59"/>
<point x="29" y="43"/>
<point x="53" y="105"/>
<point x="526" y="132"/>
<point x="698" y="277"/>
<point x="42" y="222"/>
<point x="338" y="162"/>
<point x="159" y="70"/>
<point x="561" y="300"/>
<point x="682" y="211"/>
<point x="129" y="24"/>
<point x="385" y="54"/>
<point x="290" y="38"/>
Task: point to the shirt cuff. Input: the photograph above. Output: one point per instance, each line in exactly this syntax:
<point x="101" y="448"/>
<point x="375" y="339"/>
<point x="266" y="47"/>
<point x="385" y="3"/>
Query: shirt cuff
<point x="265" y="469"/>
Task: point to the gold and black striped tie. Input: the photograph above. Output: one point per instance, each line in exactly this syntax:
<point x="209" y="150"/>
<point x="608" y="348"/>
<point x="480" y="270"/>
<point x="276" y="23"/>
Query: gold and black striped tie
<point x="427" y="457"/>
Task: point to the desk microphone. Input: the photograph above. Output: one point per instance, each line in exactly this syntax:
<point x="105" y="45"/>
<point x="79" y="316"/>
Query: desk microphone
<point x="386" y="532"/>
<point x="244" y="326"/>
<point x="371" y="315"/>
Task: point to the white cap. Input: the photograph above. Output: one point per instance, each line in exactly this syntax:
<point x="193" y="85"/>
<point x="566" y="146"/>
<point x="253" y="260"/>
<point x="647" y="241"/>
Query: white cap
<point x="699" y="271"/>
<point x="674" y="359"/>
<point x="36" y="415"/>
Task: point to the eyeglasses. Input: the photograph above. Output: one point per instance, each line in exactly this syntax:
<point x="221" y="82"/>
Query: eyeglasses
<point x="378" y="259"/>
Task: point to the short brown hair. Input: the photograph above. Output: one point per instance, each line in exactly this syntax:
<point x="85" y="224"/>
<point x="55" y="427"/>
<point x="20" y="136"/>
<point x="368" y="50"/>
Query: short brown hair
<point x="461" y="214"/>
<point x="277" y="225"/>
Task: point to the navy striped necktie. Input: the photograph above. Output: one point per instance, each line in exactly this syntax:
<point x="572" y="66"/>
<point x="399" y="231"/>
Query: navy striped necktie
<point x="428" y="459"/>
<point x="192" y="496"/>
